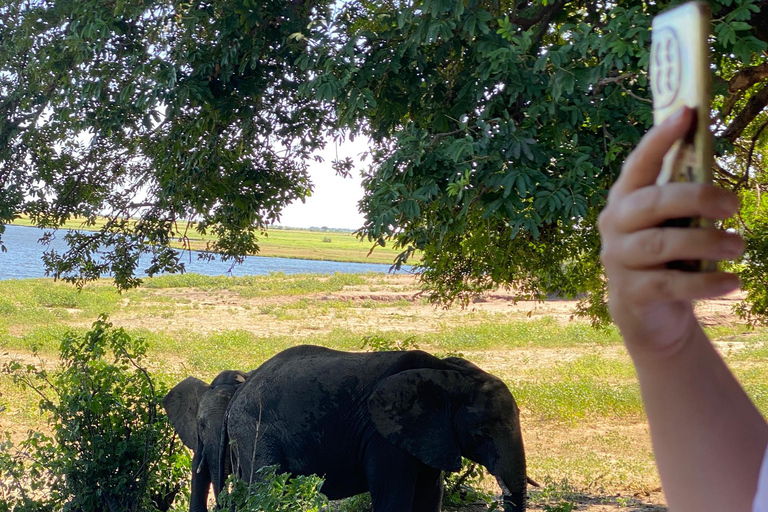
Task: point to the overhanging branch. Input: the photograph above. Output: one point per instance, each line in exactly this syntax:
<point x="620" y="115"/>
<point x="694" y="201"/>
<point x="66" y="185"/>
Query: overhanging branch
<point x="748" y="77"/>
<point x="546" y="12"/>
<point x="754" y="106"/>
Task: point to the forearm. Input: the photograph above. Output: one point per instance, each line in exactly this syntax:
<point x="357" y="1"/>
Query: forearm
<point x="707" y="435"/>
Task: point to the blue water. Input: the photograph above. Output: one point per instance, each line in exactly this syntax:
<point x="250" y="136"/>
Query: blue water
<point x="23" y="260"/>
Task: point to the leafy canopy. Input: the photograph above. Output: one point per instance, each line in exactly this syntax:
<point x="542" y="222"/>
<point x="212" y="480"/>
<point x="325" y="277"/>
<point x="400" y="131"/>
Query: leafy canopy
<point x="153" y="114"/>
<point x="496" y="127"/>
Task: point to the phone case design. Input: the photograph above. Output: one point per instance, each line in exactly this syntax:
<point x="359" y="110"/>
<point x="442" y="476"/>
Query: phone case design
<point x="680" y="76"/>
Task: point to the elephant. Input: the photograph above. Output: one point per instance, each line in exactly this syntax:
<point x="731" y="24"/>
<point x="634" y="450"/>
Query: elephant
<point x="385" y="422"/>
<point x="196" y="411"/>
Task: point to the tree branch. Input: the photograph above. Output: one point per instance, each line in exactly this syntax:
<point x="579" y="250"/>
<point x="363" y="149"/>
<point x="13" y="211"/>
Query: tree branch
<point x="545" y="12"/>
<point x="748" y="77"/>
<point x="752" y="149"/>
<point x="754" y="106"/>
<point x="726" y="173"/>
<point x="614" y="79"/>
<point x="546" y="17"/>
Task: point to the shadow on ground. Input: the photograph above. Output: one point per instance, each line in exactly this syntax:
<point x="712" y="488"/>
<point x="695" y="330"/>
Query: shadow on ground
<point x="579" y="502"/>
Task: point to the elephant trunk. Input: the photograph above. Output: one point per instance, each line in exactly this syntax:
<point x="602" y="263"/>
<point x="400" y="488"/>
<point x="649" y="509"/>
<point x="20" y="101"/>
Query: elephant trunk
<point x="510" y="472"/>
<point x="513" y="501"/>
<point x="221" y="470"/>
<point x="201" y="481"/>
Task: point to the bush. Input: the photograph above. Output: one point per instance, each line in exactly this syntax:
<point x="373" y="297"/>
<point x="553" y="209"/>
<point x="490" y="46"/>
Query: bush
<point x="463" y="487"/>
<point x="112" y="448"/>
<point x="273" y="492"/>
<point x="378" y="343"/>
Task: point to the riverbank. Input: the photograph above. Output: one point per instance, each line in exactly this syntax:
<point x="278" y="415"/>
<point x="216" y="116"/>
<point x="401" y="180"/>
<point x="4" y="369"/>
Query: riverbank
<point x="585" y="431"/>
<point x="280" y="242"/>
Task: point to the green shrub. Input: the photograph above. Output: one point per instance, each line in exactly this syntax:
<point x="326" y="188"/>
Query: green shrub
<point x="273" y="492"/>
<point x="359" y="503"/>
<point x="380" y="343"/>
<point x="560" y="507"/>
<point x="112" y="448"/>
<point x="463" y="487"/>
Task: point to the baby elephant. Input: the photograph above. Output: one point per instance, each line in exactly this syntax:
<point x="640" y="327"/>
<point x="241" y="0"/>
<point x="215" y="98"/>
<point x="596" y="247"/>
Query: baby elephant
<point x="196" y="411"/>
<point x="386" y="422"/>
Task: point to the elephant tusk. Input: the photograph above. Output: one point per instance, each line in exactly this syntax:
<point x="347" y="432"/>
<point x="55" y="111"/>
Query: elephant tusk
<point x="200" y="467"/>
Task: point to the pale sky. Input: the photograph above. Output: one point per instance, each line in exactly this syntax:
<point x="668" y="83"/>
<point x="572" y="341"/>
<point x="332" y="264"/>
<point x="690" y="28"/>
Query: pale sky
<point x="333" y="204"/>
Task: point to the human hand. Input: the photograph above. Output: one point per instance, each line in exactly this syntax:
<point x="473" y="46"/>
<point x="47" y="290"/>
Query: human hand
<point x="650" y="303"/>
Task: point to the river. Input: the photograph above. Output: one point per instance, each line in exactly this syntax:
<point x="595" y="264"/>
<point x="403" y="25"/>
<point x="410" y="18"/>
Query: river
<point x="23" y="260"/>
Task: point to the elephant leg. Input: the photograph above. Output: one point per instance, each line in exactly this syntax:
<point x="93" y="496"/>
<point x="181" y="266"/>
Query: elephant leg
<point x="428" y="496"/>
<point x="257" y="453"/>
<point x="391" y="474"/>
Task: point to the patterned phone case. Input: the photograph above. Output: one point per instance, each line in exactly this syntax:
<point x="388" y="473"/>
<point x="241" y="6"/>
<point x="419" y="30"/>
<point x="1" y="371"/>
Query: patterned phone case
<point x="680" y="76"/>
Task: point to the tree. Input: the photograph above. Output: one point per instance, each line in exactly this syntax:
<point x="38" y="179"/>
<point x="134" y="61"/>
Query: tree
<point x="498" y="127"/>
<point x="153" y="114"/>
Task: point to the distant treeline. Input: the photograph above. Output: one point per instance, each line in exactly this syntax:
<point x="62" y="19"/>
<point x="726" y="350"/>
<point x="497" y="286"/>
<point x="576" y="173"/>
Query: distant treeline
<point x="323" y="229"/>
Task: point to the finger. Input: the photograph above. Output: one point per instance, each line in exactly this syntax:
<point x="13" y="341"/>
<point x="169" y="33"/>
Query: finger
<point x="651" y="248"/>
<point x="646" y="286"/>
<point x="652" y="205"/>
<point x="644" y="163"/>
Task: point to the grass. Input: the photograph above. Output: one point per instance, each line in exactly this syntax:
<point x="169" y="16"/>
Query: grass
<point x="576" y="387"/>
<point x="259" y="286"/>
<point x="285" y="243"/>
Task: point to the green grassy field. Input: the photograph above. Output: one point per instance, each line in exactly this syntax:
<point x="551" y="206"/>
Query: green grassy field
<point x="290" y="243"/>
<point x="585" y="430"/>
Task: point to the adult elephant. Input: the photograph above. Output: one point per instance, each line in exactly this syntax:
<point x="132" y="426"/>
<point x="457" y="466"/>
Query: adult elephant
<point x="385" y="422"/>
<point x="196" y="411"/>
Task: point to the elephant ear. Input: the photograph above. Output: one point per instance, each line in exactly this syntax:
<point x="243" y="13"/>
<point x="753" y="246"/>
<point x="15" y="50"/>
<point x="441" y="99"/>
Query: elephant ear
<point x="181" y="406"/>
<point x="412" y="410"/>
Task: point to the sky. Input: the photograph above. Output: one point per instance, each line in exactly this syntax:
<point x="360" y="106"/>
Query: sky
<point x="333" y="203"/>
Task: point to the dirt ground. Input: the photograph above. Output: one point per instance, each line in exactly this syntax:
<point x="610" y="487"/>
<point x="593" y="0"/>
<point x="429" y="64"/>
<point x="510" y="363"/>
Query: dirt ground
<point x="223" y="310"/>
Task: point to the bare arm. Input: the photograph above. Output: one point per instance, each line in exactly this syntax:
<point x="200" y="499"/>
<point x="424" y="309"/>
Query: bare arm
<point x="707" y="435"/>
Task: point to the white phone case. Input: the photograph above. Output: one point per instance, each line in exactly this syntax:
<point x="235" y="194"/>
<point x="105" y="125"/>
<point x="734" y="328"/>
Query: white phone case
<point x="680" y="76"/>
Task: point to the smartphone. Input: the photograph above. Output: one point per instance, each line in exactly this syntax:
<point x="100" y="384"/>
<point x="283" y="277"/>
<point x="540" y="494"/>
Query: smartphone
<point x="680" y="76"/>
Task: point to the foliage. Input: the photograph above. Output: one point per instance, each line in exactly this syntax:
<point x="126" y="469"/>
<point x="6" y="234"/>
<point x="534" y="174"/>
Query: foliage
<point x="497" y="128"/>
<point x="111" y="448"/>
<point x="273" y="492"/>
<point x="463" y="487"/>
<point x="378" y="343"/>
<point x="155" y="114"/>
<point x="360" y="503"/>
<point x="564" y="506"/>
